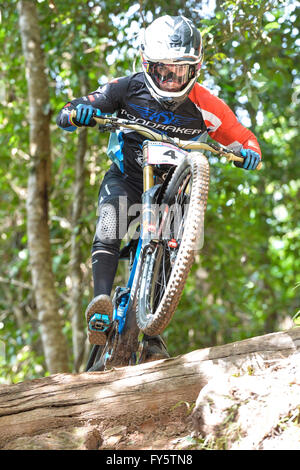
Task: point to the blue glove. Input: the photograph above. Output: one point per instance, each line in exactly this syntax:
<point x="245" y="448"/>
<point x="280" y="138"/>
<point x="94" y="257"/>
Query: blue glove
<point x="252" y="159"/>
<point x="84" y="114"/>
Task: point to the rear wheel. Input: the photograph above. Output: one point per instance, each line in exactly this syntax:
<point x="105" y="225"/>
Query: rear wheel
<point x="166" y="268"/>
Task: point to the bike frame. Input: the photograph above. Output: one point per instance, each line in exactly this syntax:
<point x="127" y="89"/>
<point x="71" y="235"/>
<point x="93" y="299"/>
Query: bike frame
<point x="129" y="295"/>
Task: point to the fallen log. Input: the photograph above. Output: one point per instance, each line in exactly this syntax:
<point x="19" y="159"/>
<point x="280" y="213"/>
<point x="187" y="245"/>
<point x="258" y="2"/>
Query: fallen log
<point x="71" y="401"/>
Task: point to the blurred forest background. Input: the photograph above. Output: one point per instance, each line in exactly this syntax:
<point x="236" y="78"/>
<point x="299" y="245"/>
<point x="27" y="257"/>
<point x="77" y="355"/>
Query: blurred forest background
<point x="245" y="281"/>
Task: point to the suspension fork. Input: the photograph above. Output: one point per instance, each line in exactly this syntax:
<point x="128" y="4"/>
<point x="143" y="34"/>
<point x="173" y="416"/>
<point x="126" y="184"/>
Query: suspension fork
<point x="148" y="172"/>
<point x="149" y="228"/>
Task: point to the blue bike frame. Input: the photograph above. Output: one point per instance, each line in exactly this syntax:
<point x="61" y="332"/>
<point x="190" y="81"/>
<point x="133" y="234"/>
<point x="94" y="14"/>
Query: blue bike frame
<point x="120" y="311"/>
<point x="147" y="230"/>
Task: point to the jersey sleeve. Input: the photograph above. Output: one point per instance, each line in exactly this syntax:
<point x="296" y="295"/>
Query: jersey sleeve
<point x="108" y="98"/>
<point x="222" y="124"/>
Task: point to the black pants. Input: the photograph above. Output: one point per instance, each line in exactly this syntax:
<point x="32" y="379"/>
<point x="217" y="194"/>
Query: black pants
<point x="118" y="205"/>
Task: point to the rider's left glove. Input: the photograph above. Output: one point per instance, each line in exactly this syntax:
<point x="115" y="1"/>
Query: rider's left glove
<point x="251" y="161"/>
<point x="84" y="115"/>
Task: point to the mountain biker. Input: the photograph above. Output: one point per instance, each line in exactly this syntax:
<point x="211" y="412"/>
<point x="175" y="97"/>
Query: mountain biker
<point x="165" y="96"/>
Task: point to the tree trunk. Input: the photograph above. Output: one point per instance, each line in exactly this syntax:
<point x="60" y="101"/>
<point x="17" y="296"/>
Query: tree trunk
<point x="60" y="406"/>
<point x="54" y="343"/>
<point x="78" y="325"/>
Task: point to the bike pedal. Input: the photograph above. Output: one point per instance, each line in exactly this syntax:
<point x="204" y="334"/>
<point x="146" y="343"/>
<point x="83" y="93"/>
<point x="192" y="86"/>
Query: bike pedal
<point x="99" y="322"/>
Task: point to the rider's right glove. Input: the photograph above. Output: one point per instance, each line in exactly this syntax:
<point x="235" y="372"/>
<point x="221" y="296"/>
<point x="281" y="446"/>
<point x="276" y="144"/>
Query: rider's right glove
<point x="84" y="115"/>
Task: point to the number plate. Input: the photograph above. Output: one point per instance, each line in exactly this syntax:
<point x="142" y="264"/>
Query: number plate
<point x="162" y="153"/>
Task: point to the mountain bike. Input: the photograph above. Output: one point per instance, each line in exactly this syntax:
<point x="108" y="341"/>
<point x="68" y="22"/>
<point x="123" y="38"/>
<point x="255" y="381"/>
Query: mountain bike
<point x="171" y="231"/>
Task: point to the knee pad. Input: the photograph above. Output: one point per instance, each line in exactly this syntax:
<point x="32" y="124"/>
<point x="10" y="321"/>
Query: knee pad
<point x="107" y="225"/>
<point x="112" y="223"/>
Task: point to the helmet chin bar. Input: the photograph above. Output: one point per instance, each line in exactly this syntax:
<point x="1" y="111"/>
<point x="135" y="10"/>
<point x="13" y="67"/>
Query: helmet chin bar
<point x="167" y="102"/>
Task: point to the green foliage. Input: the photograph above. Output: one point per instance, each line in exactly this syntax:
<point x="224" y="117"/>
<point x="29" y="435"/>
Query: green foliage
<point x="246" y="279"/>
<point x="21" y="358"/>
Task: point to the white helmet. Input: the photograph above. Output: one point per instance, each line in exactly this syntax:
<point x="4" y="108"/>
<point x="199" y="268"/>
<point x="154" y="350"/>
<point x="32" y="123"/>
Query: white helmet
<point x="172" y="55"/>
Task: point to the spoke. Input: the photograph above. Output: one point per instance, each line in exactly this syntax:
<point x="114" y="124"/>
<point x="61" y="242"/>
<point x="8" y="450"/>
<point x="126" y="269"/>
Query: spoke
<point x="161" y="272"/>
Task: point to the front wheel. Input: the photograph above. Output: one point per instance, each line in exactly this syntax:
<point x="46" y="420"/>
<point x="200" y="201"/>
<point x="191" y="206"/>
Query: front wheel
<point x="165" y="270"/>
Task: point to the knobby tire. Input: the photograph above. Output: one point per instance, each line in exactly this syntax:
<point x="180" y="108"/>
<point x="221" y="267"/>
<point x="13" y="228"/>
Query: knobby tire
<point x="153" y="316"/>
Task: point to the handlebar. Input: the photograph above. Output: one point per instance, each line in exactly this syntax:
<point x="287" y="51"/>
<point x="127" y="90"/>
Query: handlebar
<point x="112" y="123"/>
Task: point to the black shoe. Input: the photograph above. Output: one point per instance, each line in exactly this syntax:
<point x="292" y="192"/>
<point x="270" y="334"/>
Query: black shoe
<point x="154" y="348"/>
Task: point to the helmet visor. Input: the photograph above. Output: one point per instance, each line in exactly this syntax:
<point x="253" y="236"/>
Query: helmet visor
<point x="171" y="77"/>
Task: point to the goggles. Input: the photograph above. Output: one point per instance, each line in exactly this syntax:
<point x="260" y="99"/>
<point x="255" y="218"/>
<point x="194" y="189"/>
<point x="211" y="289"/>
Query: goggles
<point x="171" y="77"/>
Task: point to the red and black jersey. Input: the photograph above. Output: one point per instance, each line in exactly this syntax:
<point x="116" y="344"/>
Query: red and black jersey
<point x="221" y="123"/>
<point x="130" y="98"/>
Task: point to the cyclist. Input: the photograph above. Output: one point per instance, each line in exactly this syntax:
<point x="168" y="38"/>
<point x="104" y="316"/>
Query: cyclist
<point x="165" y="96"/>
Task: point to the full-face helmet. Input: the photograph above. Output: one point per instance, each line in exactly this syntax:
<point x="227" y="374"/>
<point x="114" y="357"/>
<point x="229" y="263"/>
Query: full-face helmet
<point x="172" y="55"/>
